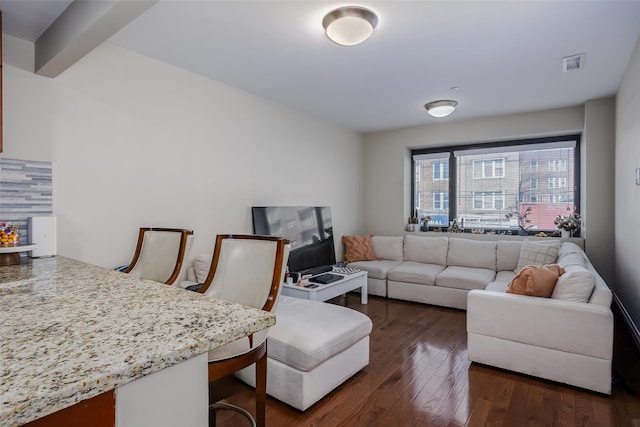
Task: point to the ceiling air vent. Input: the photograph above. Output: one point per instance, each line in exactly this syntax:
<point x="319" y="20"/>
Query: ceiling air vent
<point x="573" y="63"/>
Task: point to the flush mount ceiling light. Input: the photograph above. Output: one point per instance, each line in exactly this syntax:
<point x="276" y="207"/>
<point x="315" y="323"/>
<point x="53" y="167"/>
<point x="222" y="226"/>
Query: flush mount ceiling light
<point x="349" y="25"/>
<point x="441" y="108"/>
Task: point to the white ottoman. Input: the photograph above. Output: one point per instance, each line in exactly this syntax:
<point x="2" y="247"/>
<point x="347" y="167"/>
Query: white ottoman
<point x="313" y="348"/>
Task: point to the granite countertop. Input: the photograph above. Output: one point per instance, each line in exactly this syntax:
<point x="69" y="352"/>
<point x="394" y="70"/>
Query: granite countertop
<point x="70" y="331"/>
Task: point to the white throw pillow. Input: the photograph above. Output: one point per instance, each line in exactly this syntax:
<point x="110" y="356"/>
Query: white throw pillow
<point x="576" y="284"/>
<point x="201" y="265"/>
<point x="538" y="253"/>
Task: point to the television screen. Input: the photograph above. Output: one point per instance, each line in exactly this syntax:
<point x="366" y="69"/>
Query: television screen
<point x="308" y="228"/>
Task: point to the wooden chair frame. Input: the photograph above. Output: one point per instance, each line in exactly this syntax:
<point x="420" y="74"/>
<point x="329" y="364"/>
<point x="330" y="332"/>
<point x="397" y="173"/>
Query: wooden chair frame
<point x="222" y="368"/>
<point x="181" y="252"/>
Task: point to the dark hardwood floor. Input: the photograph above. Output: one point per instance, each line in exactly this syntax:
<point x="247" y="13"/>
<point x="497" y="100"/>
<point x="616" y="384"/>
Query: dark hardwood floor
<point x="419" y="375"/>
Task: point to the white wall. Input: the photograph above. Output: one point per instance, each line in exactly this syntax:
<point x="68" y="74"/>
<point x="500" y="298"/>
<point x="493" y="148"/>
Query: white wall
<point x="627" y="195"/>
<point x="136" y="142"/>
<point x="598" y="182"/>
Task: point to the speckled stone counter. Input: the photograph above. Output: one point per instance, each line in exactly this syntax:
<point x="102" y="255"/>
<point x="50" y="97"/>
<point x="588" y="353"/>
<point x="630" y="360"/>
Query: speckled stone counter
<point x="70" y="331"/>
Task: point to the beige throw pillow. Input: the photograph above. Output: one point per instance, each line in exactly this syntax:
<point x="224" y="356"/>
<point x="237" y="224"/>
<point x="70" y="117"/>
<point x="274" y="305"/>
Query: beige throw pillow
<point x="535" y="280"/>
<point x="358" y="248"/>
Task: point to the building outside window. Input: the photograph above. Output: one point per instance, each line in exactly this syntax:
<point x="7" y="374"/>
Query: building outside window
<point x="431" y="187"/>
<point x="488" y="200"/>
<point x="559" y="182"/>
<point x="491" y="168"/>
<point x="440" y="170"/>
<point x="558" y="165"/>
<point x="482" y="183"/>
<point x="440" y="200"/>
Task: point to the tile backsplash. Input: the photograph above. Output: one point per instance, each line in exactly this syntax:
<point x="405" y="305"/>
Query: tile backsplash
<point x="26" y="189"/>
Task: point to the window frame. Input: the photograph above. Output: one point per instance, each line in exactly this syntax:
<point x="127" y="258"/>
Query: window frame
<point x="453" y="184"/>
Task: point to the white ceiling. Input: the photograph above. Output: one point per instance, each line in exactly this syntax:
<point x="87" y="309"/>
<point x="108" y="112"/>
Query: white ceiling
<point x="503" y="56"/>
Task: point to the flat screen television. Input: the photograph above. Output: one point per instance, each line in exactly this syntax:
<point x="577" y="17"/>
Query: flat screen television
<point x="309" y="230"/>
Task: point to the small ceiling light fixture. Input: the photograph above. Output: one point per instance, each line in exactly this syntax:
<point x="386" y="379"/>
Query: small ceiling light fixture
<point x="441" y="108"/>
<point x="349" y="25"/>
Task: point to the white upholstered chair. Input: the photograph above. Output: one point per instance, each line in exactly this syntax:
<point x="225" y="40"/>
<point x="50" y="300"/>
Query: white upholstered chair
<point x="160" y="254"/>
<point x="249" y="270"/>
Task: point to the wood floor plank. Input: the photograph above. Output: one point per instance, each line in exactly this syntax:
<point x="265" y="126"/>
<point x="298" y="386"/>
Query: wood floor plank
<point x="419" y="375"/>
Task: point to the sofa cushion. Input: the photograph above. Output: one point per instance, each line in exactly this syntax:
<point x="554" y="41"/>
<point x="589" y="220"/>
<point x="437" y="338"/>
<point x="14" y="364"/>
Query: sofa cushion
<point x="201" y="265"/>
<point x="571" y="254"/>
<point x="538" y="253"/>
<point x="416" y="272"/>
<point x="465" y="277"/>
<point x="571" y="259"/>
<point x="304" y="342"/>
<point x="497" y="286"/>
<point x="376" y="269"/>
<point x="567" y="248"/>
<point x="358" y="248"/>
<point x="504" y="277"/>
<point x="576" y="284"/>
<point x="535" y="280"/>
<point x="427" y="250"/>
<point x="387" y="247"/>
<point x="508" y="254"/>
<point x="472" y="253"/>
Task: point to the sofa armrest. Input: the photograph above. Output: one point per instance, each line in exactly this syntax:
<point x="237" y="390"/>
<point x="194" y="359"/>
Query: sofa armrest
<point x="570" y="326"/>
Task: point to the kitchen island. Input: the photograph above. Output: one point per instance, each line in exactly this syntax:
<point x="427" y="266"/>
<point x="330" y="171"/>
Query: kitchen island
<point x="71" y="332"/>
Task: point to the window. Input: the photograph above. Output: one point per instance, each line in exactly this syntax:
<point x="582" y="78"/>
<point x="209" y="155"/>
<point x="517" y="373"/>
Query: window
<point x="488" y="200"/>
<point x="440" y="170"/>
<point x="482" y="183"/>
<point x="558" y="165"/>
<point x="441" y="200"/>
<point x="560" y="182"/>
<point x="492" y="168"/>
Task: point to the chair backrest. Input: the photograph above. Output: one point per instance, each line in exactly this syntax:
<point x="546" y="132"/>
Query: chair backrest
<point x="160" y="254"/>
<point x="247" y="269"/>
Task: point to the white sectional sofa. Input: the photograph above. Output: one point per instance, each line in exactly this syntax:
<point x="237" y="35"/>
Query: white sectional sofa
<point x="566" y="338"/>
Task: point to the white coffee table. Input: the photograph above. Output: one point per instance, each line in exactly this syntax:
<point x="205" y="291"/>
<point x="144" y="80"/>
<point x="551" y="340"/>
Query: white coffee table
<point x="350" y="282"/>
